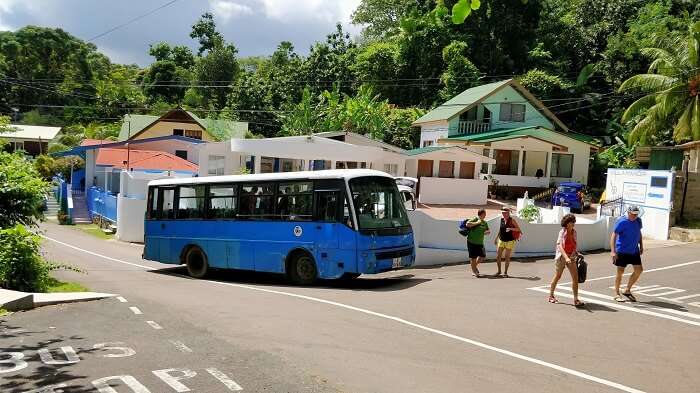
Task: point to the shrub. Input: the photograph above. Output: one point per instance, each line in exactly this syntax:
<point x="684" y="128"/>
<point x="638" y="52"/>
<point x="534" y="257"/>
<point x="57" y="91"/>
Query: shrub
<point x="530" y="213"/>
<point x="21" y="266"/>
<point x="22" y="191"/>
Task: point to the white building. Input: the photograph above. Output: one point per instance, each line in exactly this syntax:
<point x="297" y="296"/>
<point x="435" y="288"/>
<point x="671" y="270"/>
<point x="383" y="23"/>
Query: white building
<point x="33" y="140"/>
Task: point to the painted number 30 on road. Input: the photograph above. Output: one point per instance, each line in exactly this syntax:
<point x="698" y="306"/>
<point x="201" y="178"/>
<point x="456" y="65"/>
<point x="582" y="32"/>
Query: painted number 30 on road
<point x="12" y="362"/>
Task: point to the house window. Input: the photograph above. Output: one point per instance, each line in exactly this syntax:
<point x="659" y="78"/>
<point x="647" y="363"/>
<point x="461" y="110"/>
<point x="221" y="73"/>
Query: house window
<point x="562" y="165"/>
<point x="391" y="169"/>
<point x="534" y="163"/>
<point x="179" y="132"/>
<point x="194" y="134"/>
<point x="506" y="162"/>
<point x="512" y="112"/>
<point x="485" y="166"/>
<point x="216" y="165"/>
<point x="427" y="143"/>
<point x="181" y="153"/>
<point x="446" y="169"/>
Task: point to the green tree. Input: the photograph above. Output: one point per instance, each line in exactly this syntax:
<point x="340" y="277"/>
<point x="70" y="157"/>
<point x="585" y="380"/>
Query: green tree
<point x="382" y="17"/>
<point x="207" y="35"/>
<point x="21" y="191"/>
<point x="545" y="85"/>
<point x="301" y="118"/>
<point x="670" y="89"/>
<point x="377" y="65"/>
<point x="330" y="62"/>
<point x="460" y="73"/>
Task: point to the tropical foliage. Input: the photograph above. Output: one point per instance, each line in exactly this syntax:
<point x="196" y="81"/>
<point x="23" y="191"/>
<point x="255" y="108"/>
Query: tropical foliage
<point x="670" y="101"/>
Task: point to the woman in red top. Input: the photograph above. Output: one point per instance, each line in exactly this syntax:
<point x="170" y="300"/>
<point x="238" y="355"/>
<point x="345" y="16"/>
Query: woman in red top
<point x="565" y="255"/>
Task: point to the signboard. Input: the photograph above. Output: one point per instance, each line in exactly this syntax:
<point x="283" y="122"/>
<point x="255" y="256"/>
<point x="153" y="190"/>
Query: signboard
<point x="651" y="190"/>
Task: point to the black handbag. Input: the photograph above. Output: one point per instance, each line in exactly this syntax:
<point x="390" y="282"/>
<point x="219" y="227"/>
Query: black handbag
<point x="582" y="268"/>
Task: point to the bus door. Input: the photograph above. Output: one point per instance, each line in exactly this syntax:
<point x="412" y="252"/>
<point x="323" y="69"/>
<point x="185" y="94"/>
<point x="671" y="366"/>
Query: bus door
<point x="335" y="242"/>
<point x="165" y="228"/>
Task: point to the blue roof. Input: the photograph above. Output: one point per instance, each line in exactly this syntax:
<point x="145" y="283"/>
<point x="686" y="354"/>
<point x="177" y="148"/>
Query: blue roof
<point x="80" y="150"/>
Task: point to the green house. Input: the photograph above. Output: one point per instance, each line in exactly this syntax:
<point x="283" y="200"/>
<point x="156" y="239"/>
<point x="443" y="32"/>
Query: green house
<point x="532" y="148"/>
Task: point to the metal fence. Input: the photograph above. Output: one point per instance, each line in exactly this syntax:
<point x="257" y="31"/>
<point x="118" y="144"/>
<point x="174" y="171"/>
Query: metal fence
<point x="613" y="208"/>
<point x="102" y="204"/>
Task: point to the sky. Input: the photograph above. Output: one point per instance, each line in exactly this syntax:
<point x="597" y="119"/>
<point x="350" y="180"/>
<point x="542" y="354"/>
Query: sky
<point x="256" y="27"/>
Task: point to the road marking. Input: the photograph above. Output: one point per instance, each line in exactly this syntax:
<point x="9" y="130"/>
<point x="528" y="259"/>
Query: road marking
<point x="627" y="274"/>
<point x="174" y="380"/>
<point x="223" y="378"/>
<point x="618" y="305"/>
<point x="180" y="346"/>
<point x="96" y="254"/>
<point x="401" y="321"/>
<point x="49" y="389"/>
<point x="154" y="325"/>
<point x="135" y="310"/>
<point x="121" y="299"/>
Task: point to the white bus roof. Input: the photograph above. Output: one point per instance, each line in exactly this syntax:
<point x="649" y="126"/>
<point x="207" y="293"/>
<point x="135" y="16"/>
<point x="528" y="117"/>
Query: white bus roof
<point x="312" y="175"/>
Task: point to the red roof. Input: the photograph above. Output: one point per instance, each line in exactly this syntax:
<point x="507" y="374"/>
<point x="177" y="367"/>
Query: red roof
<point x="143" y="159"/>
<point x="92" y="142"/>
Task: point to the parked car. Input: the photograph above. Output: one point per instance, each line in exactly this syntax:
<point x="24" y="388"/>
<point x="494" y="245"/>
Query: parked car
<point x="571" y="195"/>
<point x="408" y="197"/>
<point x="410" y="182"/>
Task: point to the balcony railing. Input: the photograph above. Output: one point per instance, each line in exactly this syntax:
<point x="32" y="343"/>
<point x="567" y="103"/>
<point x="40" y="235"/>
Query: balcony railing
<point x="473" y="127"/>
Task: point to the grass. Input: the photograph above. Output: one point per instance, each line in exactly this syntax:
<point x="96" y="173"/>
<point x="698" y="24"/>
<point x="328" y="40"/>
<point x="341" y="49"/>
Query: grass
<point x="94" y="230"/>
<point x="61" y="286"/>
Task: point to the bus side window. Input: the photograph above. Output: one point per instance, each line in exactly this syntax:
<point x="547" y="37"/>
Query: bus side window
<point x="327" y="206"/>
<point x="167" y="210"/>
<point x="152" y="203"/>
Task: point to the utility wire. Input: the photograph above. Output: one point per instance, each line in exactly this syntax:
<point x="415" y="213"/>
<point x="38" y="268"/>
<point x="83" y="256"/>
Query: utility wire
<point x="132" y="20"/>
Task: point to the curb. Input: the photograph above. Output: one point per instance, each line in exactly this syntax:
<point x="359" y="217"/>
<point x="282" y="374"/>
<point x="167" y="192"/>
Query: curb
<point x="18" y="301"/>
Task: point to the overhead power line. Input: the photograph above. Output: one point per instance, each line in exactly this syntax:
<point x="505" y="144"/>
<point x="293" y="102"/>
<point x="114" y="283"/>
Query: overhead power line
<point x="132" y="20"/>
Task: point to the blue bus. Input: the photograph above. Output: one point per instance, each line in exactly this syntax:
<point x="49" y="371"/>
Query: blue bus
<point x="307" y="225"/>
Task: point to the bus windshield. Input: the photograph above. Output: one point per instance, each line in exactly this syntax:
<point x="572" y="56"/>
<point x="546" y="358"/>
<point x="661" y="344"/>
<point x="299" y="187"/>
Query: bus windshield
<point x="378" y="203"/>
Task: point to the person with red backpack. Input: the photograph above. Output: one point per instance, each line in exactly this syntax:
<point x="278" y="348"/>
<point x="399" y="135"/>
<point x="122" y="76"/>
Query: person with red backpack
<point x="508" y="233"/>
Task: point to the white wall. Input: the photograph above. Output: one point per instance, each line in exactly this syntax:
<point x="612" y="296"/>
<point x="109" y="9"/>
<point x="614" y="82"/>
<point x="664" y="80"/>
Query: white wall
<point x="433" y="131"/>
<point x="233" y="162"/>
<point x="170" y="146"/>
<point x="444" y="191"/>
<point x="438" y="242"/>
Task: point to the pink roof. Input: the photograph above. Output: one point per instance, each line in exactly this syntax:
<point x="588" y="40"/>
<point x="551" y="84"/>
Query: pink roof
<point x="143" y="159"/>
<point x="92" y="142"/>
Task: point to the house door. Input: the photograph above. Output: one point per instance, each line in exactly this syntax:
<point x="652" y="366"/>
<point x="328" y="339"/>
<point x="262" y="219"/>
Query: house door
<point x="446" y="169"/>
<point x="466" y="170"/>
<point x="425" y="168"/>
<point x="503" y="162"/>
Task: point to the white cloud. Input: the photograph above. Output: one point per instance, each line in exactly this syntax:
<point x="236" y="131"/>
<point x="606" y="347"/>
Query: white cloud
<point x="226" y="9"/>
<point x="329" y="11"/>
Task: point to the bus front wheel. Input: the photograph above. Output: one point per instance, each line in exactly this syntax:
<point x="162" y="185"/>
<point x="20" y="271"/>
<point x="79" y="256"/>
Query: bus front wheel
<point x="196" y="261"/>
<point x="302" y="269"/>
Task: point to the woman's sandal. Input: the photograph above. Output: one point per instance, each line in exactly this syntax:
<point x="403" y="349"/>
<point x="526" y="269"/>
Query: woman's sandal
<point x="630" y="296"/>
<point x="505" y="275"/>
<point x="620" y="299"/>
<point x="553" y="300"/>
<point x="579" y="304"/>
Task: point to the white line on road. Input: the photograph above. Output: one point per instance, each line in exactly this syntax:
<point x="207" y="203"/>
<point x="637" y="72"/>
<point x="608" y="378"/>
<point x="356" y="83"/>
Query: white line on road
<point x="627" y="274"/>
<point x="223" y="378"/>
<point x="135" y="310"/>
<point x="180" y="346"/>
<point x="154" y="325"/>
<point x="96" y="254"/>
<point x="638" y="305"/>
<point x="619" y="306"/>
<point x="402" y="321"/>
<point x="121" y="299"/>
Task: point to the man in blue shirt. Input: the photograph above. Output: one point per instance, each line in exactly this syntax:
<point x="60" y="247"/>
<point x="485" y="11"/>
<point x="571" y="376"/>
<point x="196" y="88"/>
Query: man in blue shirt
<point x="626" y="248"/>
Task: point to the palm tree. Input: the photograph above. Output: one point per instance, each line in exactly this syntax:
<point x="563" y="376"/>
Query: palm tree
<point x="670" y="91"/>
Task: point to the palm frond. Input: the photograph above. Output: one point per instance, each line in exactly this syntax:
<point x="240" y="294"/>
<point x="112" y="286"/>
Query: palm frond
<point x="638" y="107"/>
<point x="672" y="100"/>
<point x="695" y="119"/>
<point x="650" y="83"/>
<point x="647" y="127"/>
<point x="681" y="131"/>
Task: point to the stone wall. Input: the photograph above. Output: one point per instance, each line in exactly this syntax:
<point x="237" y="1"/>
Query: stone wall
<point x="692" y="198"/>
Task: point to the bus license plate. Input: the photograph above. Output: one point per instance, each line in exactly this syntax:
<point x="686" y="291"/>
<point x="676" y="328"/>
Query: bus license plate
<point x="396" y="263"/>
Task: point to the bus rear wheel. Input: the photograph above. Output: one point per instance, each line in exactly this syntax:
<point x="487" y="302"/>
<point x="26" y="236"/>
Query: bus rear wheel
<point x="302" y="269"/>
<point x="196" y="261"/>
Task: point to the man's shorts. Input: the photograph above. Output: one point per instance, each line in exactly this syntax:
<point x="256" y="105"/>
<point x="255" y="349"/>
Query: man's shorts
<point x="628" y="259"/>
<point x="507" y="245"/>
<point x="476" y="250"/>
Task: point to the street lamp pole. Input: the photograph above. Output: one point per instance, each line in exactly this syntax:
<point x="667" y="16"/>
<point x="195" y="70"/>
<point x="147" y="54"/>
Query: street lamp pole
<point x="128" y="149"/>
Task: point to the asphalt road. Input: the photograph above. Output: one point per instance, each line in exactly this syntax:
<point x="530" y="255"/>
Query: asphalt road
<point x="419" y="330"/>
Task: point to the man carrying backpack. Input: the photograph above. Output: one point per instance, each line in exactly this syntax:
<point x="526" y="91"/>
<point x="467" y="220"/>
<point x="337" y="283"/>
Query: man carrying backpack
<point x="478" y="227"/>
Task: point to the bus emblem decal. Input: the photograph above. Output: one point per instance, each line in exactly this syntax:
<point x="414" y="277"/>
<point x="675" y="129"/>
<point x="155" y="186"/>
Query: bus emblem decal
<point x="297" y="231"/>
